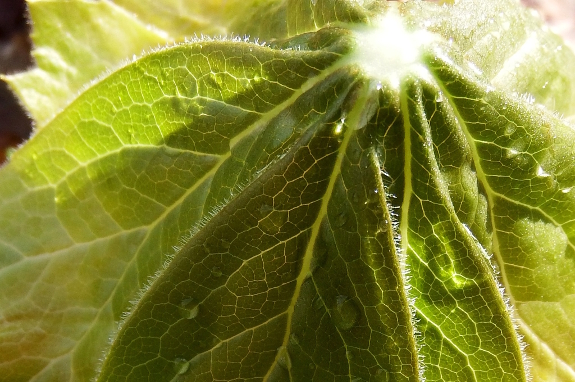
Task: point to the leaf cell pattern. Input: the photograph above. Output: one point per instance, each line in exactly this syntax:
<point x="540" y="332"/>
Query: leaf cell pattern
<point x="271" y="213"/>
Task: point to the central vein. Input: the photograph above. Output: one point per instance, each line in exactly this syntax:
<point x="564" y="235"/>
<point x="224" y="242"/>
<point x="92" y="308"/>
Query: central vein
<point x="404" y="223"/>
<point x="353" y="122"/>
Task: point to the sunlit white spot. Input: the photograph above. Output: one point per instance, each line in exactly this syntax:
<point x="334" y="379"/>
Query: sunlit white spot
<point x="510" y="128"/>
<point x="339" y="126"/>
<point x="459" y="280"/>
<point x="566" y="190"/>
<point x="541" y="173"/>
<point x="475" y="69"/>
<point x="386" y="50"/>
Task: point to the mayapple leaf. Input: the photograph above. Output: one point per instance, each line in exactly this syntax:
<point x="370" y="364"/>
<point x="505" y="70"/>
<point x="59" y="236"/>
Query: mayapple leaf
<point x="369" y="196"/>
<point x="70" y="55"/>
<point x="180" y="19"/>
<point x="528" y="60"/>
<point x="523" y="159"/>
<point x="262" y="19"/>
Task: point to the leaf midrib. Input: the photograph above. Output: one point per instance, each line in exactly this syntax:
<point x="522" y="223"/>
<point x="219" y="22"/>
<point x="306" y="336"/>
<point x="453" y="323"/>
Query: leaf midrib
<point x="261" y="123"/>
<point x="404" y="224"/>
<point x="305" y="270"/>
<point x="482" y="177"/>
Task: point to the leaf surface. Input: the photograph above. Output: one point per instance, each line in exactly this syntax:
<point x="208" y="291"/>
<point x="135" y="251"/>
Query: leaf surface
<point x="69" y="54"/>
<point x="332" y="206"/>
<point x="523" y="162"/>
<point x="529" y="61"/>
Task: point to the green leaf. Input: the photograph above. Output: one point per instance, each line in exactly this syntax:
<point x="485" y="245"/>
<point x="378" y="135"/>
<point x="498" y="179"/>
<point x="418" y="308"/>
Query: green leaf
<point x="523" y="159"/>
<point x="367" y="197"/>
<point x="528" y="60"/>
<point x="213" y="17"/>
<point x="69" y="55"/>
<point x="72" y="46"/>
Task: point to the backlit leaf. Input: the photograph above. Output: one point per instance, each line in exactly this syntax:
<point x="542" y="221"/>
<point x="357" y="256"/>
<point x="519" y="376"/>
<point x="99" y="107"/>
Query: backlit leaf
<point x="369" y="196"/>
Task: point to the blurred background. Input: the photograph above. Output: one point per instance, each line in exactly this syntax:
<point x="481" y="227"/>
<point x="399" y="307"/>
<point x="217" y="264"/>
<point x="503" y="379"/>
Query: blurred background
<point x="15" y="56"/>
<point x="559" y="14"/>
<point x="15" y="126"/>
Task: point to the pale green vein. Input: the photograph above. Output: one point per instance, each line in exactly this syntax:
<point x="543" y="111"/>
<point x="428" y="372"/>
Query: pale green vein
<point x="447" y="339"/>
<point x="256" y="126"/>
<point x="351" y="124"/>
<point x="470" y="240"/>
<point x="483" y="177"/>
<point x="12" y="247"/>
<point x="489" y="191"/>
<point x="407" y="188"/>
<point x="397" y="262"/>
<point x="229" y="339"/>
<point x="347" y="356"/>
<point x="532" y="337"/>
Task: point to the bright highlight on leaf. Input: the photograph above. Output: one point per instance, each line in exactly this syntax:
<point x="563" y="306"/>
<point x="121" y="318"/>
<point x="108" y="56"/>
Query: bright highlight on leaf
<point x="371" y="195"/>
<point x="386" y="51"/>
